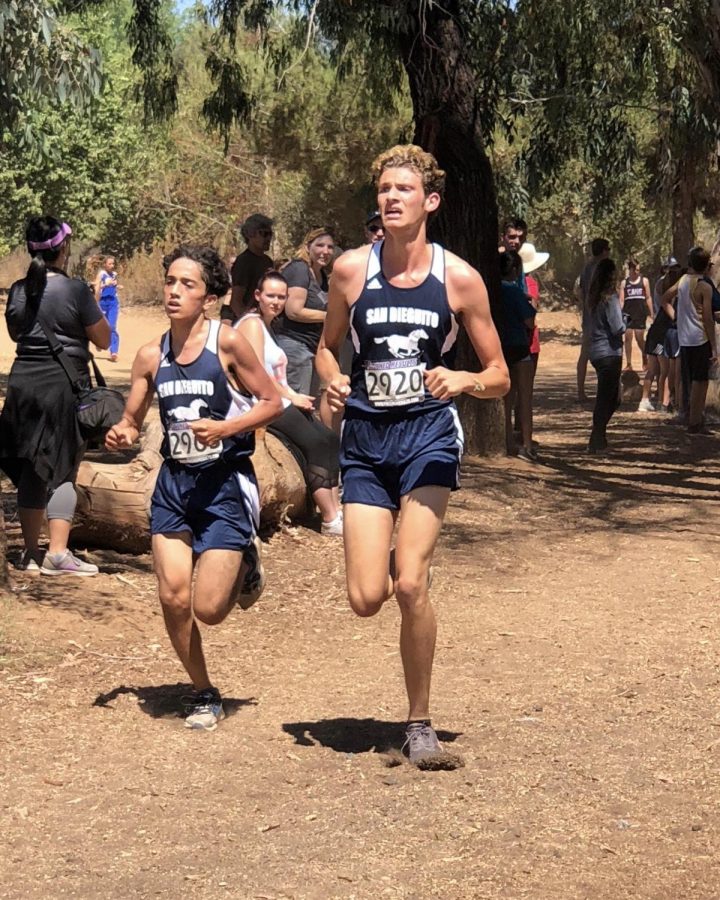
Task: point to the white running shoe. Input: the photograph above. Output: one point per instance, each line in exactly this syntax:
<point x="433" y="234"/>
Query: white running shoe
<point x="334" y="527"/>
<point x="204" y="709"/>
<point x="646" y="406"/>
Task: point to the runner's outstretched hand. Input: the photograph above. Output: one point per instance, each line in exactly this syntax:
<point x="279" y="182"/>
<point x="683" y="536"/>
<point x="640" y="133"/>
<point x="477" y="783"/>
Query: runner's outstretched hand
<point x="337" y="392"/>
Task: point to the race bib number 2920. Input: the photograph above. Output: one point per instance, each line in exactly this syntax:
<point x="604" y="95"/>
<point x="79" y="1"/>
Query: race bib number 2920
<point x="395" y="383"/>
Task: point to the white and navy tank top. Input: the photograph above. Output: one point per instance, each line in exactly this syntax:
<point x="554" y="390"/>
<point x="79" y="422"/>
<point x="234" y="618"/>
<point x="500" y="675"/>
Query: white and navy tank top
<point x="198" y="390"/>
<point x="275" y="361"/>
<point x="398" y="334"/>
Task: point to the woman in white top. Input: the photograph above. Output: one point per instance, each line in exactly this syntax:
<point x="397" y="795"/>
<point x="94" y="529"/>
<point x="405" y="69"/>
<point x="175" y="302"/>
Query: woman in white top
<point x="317" y="445"/>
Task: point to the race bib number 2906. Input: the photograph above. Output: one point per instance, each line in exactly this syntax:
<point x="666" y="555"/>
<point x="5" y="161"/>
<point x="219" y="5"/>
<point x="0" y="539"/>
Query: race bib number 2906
<point x="185" y="447"/>
<point x="395" y="383"/>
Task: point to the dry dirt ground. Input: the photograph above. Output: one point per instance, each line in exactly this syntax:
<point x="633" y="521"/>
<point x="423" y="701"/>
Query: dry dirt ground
<point x="577" y="674"/>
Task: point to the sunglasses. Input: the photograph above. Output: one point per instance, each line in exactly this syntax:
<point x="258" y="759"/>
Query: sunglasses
<point x="264" y="232"/>
<point x="373" y="229"/>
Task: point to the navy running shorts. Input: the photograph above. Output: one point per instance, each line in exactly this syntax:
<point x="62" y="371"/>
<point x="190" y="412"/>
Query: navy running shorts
<point x="218" y="504"/>
<point x="383" y="458"/>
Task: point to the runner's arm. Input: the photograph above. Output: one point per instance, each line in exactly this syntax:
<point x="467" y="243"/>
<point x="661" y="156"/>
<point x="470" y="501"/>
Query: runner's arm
<point x="142" y="389"/>
<point x="468" y="298"/>
<point x="241" y="358"/>
<point x="337" y="322"/>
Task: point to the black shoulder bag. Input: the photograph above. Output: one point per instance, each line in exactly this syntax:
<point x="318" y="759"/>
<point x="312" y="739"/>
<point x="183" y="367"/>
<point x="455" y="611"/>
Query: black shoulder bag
<point x="97" y="408"/>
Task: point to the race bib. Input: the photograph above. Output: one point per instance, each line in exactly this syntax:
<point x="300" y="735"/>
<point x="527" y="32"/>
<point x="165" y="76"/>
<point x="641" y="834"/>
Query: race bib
<point x="185" y="447"/>
<point x="395" y="383"/>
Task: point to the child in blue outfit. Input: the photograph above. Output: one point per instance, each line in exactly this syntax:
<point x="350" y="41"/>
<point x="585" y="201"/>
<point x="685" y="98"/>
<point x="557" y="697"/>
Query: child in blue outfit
<point x="106" y="294"/>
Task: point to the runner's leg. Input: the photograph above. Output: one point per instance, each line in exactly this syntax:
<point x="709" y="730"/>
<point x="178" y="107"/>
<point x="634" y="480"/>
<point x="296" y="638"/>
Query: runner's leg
<point x="173" y="562"/>
<point x="421" y="518"/>
<point x="216" y="574"/>
<point x="367" y="532"/>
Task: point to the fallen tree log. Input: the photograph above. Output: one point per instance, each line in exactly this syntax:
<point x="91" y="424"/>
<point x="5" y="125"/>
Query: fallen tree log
<point x="114" y="497"/>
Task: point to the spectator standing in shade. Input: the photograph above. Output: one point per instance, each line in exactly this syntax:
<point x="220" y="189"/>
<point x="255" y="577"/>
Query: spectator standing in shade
<point x="249" y="265"/>
<point x="514" y="234"/>
<point x="299" y="328"/>
<point x="696" y="333"/>
<point x="600" y="249"/>
<point x="374" y="229"/>
<point x="605" y="348"/>
<point x="636" y="303"/>
<point x="106" y="294"/>
<point x="518" y="323"/>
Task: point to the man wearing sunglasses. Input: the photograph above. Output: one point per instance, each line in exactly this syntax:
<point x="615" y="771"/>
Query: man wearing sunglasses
<point x="257" y="233"/>
<point x="374" y="230"/>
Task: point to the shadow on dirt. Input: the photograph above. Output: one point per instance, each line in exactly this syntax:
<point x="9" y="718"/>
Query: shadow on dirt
<point x="165" y="701"/>
<point x="355" y="735"/>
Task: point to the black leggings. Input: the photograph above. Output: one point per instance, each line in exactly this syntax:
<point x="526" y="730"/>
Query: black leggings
<point x="318" y="444"/>
<point x="33" y="493"/>
<point x="608" y="394"/>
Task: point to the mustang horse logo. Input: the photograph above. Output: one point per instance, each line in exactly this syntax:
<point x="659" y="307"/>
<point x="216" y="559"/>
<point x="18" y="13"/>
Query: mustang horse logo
<point x="403" y="347"/>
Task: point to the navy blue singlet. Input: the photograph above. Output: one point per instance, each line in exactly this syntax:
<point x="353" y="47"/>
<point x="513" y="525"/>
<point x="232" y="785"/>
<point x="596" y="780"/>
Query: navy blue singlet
<point x="398" y="333"/>
<point x="198" y="390"/>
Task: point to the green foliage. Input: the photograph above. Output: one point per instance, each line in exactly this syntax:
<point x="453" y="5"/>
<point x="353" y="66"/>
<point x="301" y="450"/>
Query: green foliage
<point x="41" y="60"/>
<point x="90" y="164"/>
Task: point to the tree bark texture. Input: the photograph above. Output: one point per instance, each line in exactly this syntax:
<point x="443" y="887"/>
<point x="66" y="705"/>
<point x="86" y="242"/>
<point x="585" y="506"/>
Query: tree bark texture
<point x="684" y="203"/>
<point x="4" y="577"/>
<point x="114" y="498"/>
<point x="446" y="105"/>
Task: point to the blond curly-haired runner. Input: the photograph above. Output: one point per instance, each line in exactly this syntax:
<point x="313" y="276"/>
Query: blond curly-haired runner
<point x="402" y="300"/>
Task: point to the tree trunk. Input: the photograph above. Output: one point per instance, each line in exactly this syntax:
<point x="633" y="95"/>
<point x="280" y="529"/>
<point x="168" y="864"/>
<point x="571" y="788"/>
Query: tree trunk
<point x="444" y="91"/>
<point x="683" y="207"/>
<point x="4" y="577"/>
<point x="114" y="498"/>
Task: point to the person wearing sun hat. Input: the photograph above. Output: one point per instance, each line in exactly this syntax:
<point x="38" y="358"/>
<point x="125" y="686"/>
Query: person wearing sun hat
<point x="532" y="259"/>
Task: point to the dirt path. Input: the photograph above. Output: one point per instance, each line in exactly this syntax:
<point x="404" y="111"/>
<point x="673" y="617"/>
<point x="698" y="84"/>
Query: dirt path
<point x="577" y="674"/>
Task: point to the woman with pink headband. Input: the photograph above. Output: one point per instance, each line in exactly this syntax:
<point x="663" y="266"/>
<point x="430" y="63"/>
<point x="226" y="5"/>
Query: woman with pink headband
<point x="40" y="442"/>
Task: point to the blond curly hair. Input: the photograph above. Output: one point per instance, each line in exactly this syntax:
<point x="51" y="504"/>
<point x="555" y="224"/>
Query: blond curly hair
<point x="412" y="157"/>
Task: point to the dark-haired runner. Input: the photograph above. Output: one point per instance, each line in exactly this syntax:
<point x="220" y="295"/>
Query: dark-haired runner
<point x="205" y="506"/>
<point x="401" y="440"/>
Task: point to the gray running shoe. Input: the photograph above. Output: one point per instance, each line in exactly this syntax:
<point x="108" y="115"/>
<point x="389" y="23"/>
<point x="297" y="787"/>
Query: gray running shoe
<point x="421" y="741"/>
<point x="66" y="564"/>
<point x="204" y="710"/>
<point x="254" y="581"/>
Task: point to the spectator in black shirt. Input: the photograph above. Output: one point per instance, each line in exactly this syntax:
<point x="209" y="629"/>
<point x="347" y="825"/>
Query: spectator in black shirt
<point x="249" y="266"/>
